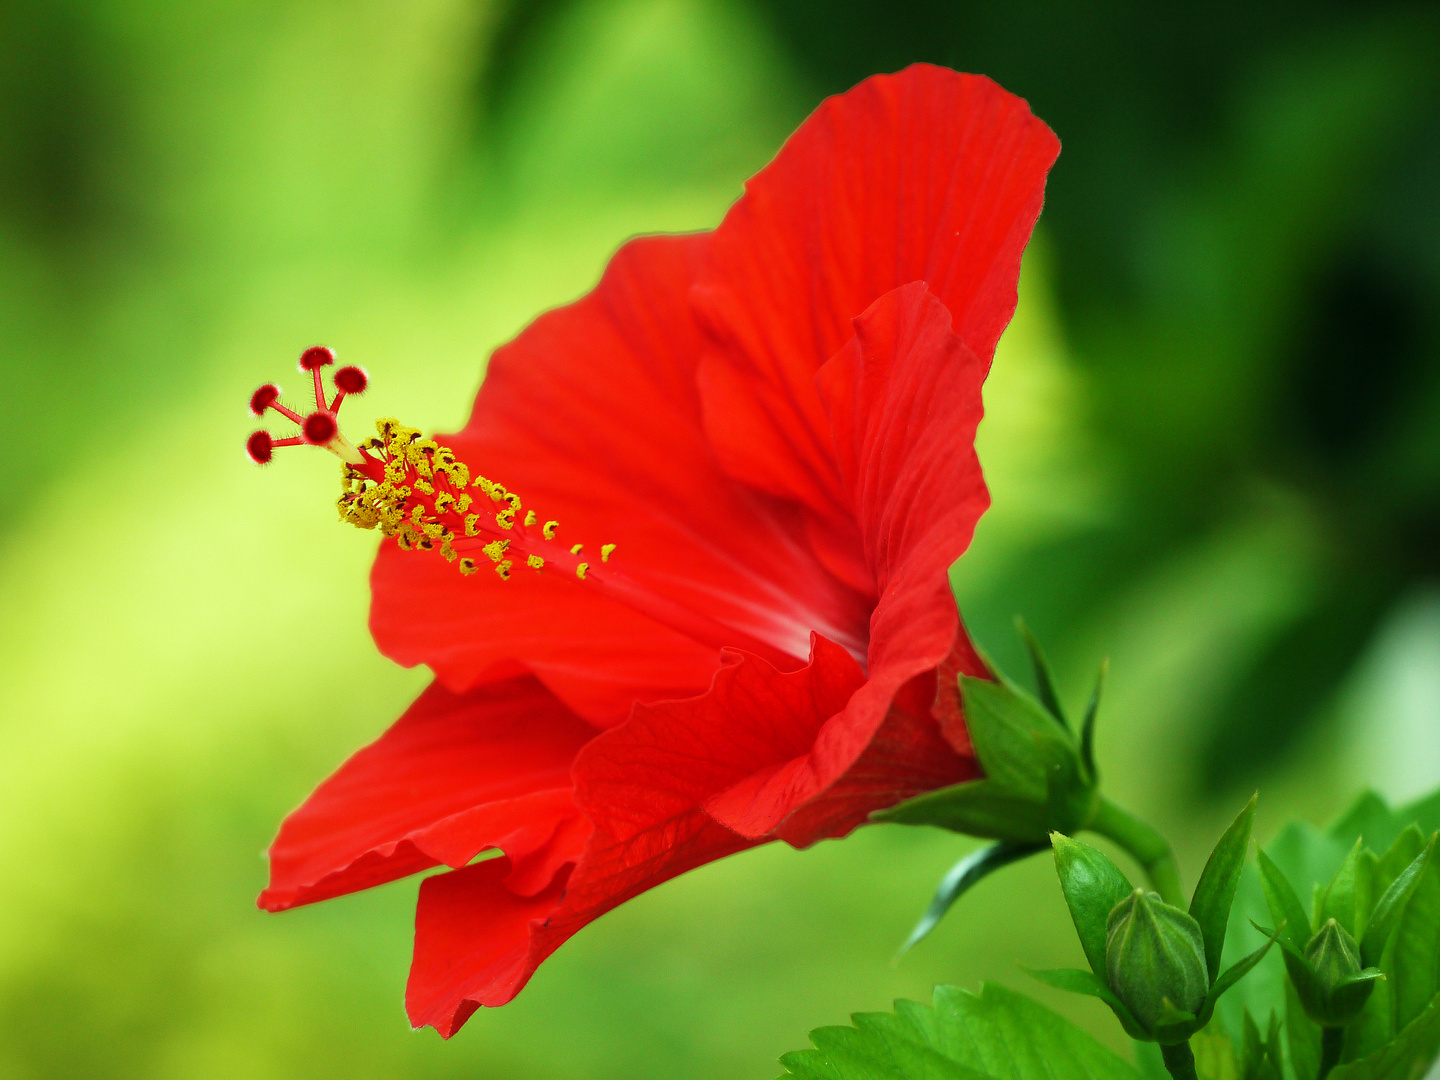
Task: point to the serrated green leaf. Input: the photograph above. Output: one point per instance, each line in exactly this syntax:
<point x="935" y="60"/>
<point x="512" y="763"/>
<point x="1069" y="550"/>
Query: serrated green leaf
<point x="1092" y="886"/>
<point x="1394" y="904"/>
<point x="1406" y="1057"/>
<point x="1015" y="739"/>
<point x="1044" y="683"/>
<point x="996" y="1033"/>
<point x="1285" y="906"/>
<point x="1079" y="981"/>
<point x="976" y="808"/>
<point x="1215" y="892"/>
<point x="970" y="870"/>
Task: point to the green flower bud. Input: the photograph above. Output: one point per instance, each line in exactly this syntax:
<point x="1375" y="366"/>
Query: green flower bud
<point x="1155" y="959"/>
<point x="1340" y="987"/>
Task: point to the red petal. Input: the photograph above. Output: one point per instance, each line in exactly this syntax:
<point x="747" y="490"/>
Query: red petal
<point x="455" y="775"/>
<point x="592" y="415"/>
<point x="927" y="175"/>
<point x="477" y="943"/>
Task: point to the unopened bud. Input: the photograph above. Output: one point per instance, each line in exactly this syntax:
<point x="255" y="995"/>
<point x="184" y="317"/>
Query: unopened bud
<point x="1341" y="986"/>
<point x="1154" y="955"/>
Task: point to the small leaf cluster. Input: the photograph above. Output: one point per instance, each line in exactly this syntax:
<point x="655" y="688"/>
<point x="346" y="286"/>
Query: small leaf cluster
<point x="1157" y="966"/>
<point x="1364" y="960"/>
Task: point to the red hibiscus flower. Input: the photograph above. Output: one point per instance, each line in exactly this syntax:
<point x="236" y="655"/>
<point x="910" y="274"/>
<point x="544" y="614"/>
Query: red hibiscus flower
<point x="772" y="427"/>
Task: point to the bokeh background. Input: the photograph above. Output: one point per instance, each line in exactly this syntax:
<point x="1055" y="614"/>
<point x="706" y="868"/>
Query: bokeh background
<point x="1213" y="441"/>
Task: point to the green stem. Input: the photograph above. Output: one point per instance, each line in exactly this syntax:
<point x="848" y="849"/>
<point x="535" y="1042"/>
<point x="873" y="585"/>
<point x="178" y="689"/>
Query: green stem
<point x="1332" y="1041"/>
<point x="1179" y="1060"/>
<point x="1148" y="847"/>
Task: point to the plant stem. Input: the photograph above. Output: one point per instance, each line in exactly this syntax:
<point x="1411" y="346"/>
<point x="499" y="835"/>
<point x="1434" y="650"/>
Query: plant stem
<point x="1332" y="1041"/>
<point x="1179" y="1060"/>
<point x="1148" y="847"/>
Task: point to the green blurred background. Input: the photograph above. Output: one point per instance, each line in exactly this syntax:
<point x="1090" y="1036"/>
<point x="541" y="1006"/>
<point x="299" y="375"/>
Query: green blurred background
<point x="1213" y="441"/>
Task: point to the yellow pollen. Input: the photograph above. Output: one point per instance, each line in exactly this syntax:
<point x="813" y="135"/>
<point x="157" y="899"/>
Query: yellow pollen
<point x="505" y="518"/>
<point x="605" y="550"/>
<point x="549" y="530"/>
<point x="467" y="566"/>
<point x="503" y="569"/>
<point x="496" y="549"/>
<point x="576" y="549"/>
<point x="470" y="520"/>
<point x="530" y="517"/>
<point x="535" y="562"/>
<point x="580" y="570"/>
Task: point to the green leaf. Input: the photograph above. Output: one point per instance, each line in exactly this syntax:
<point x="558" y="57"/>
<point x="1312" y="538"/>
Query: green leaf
<point x="1232" y="975"/>
<point x="1406" y="1057"/>
<point x="1044" y="684"/>
<point x="1261" y="1059"/>
<point x="996" y="1033"/>
<point x="1416" y="970"/>
<point x="1215" y="1056"/>
<point x="1339" y="900"/>
<point x="964" y="874"/>
<point x="1285" y="906"/>
<point x="1079" y="981"/>
<point x="1390" y="865"/>
<point x="1369" y="817"/>
<point x="1395" y="901"/>
<point x="1302" y="1036"/>
<point x="1092" y="885"/>
<point x="1016" y="740"/>
<point x="1215" y="891"/>
<point x="977" y="808"/>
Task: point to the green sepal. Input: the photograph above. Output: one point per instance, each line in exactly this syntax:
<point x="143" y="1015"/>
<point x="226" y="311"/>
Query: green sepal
<point x="1044" y="683"/>
<point x="1390" y="906"/>
<point x="1349" y="996"/>
<point x="962" y="876"/>
<point x="1087" y="726"/>
<point x="975" y="808"/>
<point x="1079" y="981"/>
<point x="1232" y="975"/>
<point x="1175" y="1025"/>
<point x="1215" y="892"/>
<point x="1285" y="907"/>
<point x="1260" y="1059"/>
<point x="1017" y="742"/>
<point x="1092" y="886"/>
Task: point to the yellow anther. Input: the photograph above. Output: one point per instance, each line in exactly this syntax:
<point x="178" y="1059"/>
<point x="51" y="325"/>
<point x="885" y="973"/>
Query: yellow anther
<point x="464" y="501"/>
<point x="580" y="570"/>
<point x="443" y="500"/>
<point x="549" y="530"/>
<point x="503" y="569"/>
<point x="467" y="566"/>
<point x="497" y="492"/>
<point x="470" y="520"/>
<point x="576" y="549"/>
<point x="530" y="517"/>
<point x="605" y="550"/>
<point x="425" y="486"/>
<point x="495" y="550"/>
<point x="505" y="518"/>
<point x="535" y="562"/>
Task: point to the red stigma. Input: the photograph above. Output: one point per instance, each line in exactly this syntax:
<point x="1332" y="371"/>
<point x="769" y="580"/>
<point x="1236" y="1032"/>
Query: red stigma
<point x="316" y="357"/>
<point x="259" y="445"/>
<point x="319" y="427"/>
<point x="351" y="380"/>
<point x="263" y="398"/>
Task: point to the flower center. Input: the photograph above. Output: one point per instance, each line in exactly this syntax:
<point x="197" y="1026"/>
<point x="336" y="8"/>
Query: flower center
<point x="417" y="491"/>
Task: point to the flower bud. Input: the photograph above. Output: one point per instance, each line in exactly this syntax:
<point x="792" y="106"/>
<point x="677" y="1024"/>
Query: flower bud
<point x="1154" y="955"/>
<point x="1341" y="987"/>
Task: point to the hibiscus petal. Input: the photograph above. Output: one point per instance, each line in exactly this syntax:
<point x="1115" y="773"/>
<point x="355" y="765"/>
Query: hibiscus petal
<point x="477" y="943"/>
<point x="455" y="775"/>
<point x="926" y="175"/>
<point x="592" y="415"/>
